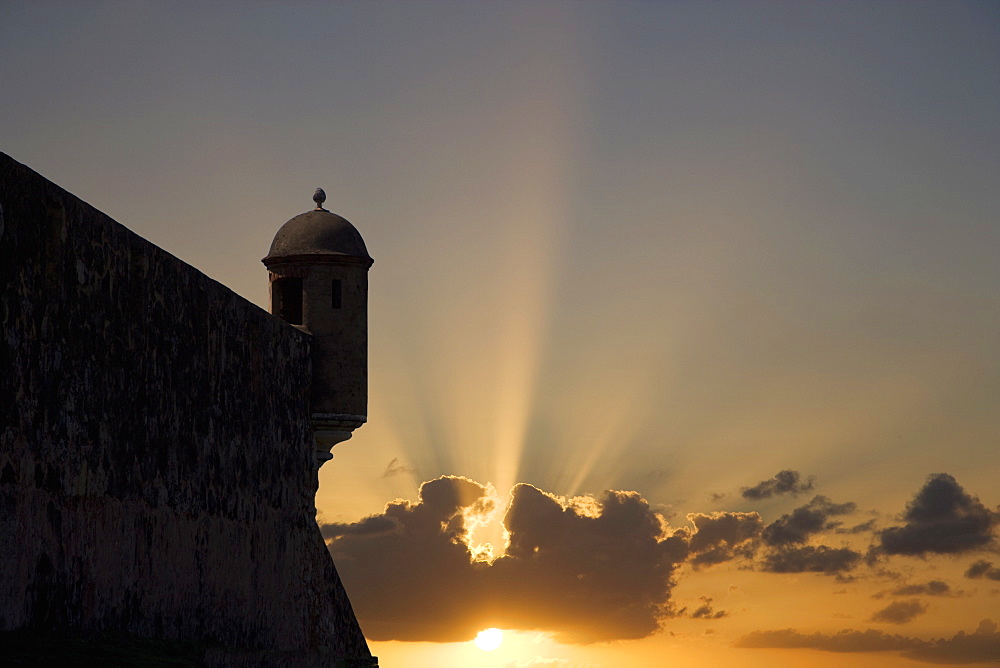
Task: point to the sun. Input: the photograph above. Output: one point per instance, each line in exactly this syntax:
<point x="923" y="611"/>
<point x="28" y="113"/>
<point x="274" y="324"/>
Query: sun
<point x="489" y="639"/>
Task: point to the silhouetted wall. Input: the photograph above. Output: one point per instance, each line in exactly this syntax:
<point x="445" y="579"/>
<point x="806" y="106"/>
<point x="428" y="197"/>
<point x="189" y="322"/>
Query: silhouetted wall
<point x="156" y="458"/>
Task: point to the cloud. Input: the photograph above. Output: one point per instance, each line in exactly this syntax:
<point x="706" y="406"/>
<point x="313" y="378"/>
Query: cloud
<point x="981" y="646"/>
<point x="932" y="588"/>
<point x="596" y="568"/>
<point x="376" y="524"/>
<point x="586" y="569"/>
<point x="864" y="527"/>
<point x="843" y="641"/>
<point x="706" y="611"/>
<point x="404" y="565"/>
<point x="811" y="559"/>
<point x="900" y="612"/>
<point x="394" y="468"/>
<point x="786" y="538"/>
<point x="722" y="536"/>
<point x="784" y="482"/>
<point x="805" y="521"/>
<point x="942" y="519"/>
<point x="983" y="569"/>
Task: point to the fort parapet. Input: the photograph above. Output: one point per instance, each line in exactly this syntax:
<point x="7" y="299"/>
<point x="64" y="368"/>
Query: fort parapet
<point x="157" y="467"/>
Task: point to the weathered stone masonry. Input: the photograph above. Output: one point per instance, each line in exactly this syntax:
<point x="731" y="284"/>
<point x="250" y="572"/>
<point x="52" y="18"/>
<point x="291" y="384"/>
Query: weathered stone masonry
<point x="156" y="455"/>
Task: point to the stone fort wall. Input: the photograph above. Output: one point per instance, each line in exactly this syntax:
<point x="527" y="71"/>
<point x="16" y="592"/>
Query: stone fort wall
<point x="156" y="458"/>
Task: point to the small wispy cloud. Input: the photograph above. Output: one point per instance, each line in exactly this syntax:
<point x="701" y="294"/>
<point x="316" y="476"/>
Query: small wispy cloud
<point x="394" y="468"/>
<point x="900" y="612"/>
<point x="983" y="569"/>
<point x="783" y="482"/>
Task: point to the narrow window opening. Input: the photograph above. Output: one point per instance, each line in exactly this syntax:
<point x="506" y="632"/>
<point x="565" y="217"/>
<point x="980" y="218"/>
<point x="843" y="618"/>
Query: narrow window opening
<point x="337" y="293"/>
<point x="287" y="295"/>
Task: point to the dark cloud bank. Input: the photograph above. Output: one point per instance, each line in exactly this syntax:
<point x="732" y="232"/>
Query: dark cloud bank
<point x="980" y="646"/>
<point x="597" y="569"/>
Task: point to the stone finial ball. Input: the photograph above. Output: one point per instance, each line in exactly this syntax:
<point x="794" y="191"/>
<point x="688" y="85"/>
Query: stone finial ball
<point x="319" y="197"/>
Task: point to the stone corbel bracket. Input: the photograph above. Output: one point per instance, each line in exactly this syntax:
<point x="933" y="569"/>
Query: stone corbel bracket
<point x="329" y="429"/>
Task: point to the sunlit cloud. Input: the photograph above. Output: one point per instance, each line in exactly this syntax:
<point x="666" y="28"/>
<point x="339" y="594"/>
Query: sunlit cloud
<point x="488" y="639"/>
<point x="592" y="568"/>
<point x="404" y="563"/>
<point x="584" y="569"/>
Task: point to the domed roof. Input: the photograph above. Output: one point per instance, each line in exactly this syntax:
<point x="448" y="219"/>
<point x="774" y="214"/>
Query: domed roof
<point x="318" y="233"/>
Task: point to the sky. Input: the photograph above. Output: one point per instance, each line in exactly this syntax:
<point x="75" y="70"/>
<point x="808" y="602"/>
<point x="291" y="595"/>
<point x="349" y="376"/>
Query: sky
<point x="684" y="316"/>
